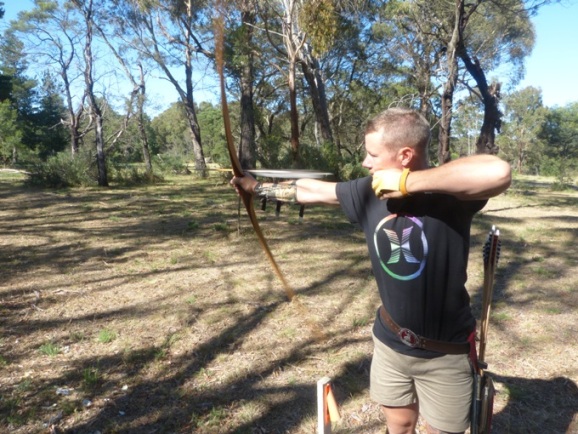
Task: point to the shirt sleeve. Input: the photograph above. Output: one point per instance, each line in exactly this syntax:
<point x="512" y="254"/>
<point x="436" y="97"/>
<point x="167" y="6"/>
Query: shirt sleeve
<point x="352" y="196"/>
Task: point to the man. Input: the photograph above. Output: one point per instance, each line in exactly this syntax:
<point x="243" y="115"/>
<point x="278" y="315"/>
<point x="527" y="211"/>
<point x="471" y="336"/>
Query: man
<point x="417" y="223"/>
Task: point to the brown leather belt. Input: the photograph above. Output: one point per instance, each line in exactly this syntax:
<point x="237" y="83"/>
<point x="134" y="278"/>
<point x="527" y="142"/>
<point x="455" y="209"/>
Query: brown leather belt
<point x="414" y="340"/>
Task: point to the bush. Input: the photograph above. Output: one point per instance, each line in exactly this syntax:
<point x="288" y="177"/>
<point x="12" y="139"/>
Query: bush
<point x="63" y="170"/>
<point x="171" y="164"/>
<point x="352" y="171"/>
<point x="132" y="175"/>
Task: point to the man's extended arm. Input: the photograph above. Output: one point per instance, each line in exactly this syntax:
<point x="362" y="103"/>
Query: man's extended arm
<point x="306" y="191"/>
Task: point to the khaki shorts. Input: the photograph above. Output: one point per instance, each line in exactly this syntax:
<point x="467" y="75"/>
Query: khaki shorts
<point x="441" y="386"/>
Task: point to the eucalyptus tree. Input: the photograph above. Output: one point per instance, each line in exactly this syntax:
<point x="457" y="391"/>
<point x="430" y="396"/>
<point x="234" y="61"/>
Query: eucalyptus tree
<point x="110" y="30"/>
<point x="447" y="48"/>
<point x="171" y="131"/>
<point x="405" y="32"/>
<point x="561" y="147"/>
<point x="320" y="21"/>
<point x="466" y="124"/>
<point x="487" y="36"/>
<point x="508" y="41"/>
<point x="281" y="19"/>
<point x="175" y="35"/>
<point x="240" y="52"/>
<point x="247" y="145"/>
<point x="51" y="35"/>
<point x="88" y="10"/>
<point x="524" y="118"/>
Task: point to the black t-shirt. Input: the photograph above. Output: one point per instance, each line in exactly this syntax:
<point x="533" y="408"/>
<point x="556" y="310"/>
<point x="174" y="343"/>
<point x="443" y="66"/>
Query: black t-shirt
<point x="419" y="248"/>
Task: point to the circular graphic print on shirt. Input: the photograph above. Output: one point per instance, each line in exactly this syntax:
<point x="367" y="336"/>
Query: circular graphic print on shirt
<point x="402" y="251"/>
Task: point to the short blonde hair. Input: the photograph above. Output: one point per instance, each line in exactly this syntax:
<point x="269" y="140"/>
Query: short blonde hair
<point x="401" y="127"/>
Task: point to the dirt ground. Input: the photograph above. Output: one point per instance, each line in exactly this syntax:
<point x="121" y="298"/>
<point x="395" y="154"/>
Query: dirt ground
<point x="153" y="310"/>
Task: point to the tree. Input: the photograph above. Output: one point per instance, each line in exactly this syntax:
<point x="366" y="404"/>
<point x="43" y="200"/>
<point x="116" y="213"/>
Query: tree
<point x="171" y="34"/>
<point x="513" y="35"/>
<point x="171" y="131"/>
<point x="559" y="133"/>
<point x="49" y="135"/>
<point x="474" y="37"/>
<point x="137" y="80"/>
<point x="51" y="35"/>
<point x="466" y="125"/>
<point x="320" y="22"/>
<point x="88" y="9"/>
<point x="524" y="117"/>
<point x="10" y="133"/>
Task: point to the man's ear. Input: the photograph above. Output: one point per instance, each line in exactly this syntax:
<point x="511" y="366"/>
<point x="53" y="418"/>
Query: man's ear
<point x="406" y="155"/>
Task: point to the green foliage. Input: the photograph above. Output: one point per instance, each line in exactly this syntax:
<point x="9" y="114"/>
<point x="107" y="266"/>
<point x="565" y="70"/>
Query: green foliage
<point x="171" y="131"/>
<point x="322" y="158"/>
<point x="210" y="120"/>
<point x="559" y="132"/>
<point x="520" y="141"/>
<point x="352" y="170"/>
<point x="369" y="56"/>
<point x="10" y="133"/>
<point x="131" y="174"/>
<point x="46" y="134"/>
<point x="320" y="20"/>
<point x="170" y="164"/>
<point x="466" y="127"/>
<point x="64" y="170"/>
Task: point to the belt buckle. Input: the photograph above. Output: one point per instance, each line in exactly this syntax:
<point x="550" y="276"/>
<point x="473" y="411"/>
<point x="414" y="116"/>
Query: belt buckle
<point x="409" y="338"/>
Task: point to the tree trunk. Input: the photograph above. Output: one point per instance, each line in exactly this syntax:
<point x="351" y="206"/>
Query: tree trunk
<point x="141" y="97"/>
<point x="195" y="130"/>
<point x="247" y="151"/>
<point x="74" y="135"/>
<point x="485" y="144"/>
<point x="294" y="114"/>
<point x="100" y="155"/>
<point x="444" y="154"/>
<point x="95" y="112"/>
<point x="310" y="69"/>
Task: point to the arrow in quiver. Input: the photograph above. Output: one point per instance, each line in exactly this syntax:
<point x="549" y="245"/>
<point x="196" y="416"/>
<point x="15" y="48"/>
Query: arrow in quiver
<point x="484" y="392"/>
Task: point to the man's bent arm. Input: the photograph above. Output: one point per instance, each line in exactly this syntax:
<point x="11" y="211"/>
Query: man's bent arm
<point x="468" y="178"/>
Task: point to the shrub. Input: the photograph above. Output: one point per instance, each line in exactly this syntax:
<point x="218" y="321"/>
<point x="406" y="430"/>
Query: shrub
<point x="63" y="170"/>
<point x="131" y="174"/>
<point x="171" y="164"/>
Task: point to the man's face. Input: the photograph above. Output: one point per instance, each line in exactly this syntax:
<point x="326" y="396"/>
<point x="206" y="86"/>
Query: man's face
<point x="378" y="156"/>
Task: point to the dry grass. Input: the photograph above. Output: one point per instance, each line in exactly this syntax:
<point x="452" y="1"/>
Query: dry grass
<point x="146" y="310"/>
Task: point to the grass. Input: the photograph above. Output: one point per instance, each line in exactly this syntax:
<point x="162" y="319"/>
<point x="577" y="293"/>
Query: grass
<point x="49" y="349"/>
<point x="160" y="288"/>
<point x="90" y="377"/>
<point x="106" y="336"/>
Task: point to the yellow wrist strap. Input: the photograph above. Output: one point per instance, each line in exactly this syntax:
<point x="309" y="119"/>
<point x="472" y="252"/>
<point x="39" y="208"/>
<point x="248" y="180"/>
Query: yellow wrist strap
<point x="402" y="182"/>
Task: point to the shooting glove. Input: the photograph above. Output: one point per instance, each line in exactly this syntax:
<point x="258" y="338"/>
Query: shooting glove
<point x="389" y="180"/>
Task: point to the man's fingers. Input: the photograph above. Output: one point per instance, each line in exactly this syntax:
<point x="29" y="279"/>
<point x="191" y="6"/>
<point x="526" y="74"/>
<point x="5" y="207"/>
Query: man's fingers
<point x="385" y="182"/>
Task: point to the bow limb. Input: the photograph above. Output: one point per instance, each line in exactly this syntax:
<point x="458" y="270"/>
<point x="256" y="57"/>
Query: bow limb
<point x="235" y="163"/>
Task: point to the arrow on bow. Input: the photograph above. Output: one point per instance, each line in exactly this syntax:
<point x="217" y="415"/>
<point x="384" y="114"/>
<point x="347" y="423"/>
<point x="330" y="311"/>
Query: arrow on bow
<point x="236" y="165"/>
